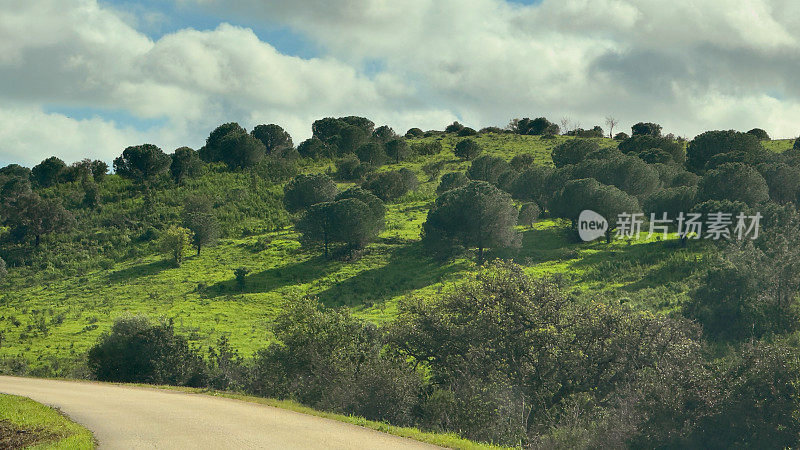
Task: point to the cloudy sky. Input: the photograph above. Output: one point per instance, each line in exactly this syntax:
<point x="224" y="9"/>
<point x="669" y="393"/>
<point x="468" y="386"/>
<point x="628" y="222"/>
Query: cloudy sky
<point x="86" y="78"/>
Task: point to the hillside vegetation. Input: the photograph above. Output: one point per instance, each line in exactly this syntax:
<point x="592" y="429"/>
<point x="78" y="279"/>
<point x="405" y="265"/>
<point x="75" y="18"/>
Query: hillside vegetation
<point x="433" y="280"/>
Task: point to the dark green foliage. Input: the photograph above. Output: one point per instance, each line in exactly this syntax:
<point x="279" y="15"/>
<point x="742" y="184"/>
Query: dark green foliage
<point x="466" y="131"/>
<point x="349" y="221"/>
<point x="646" y="128"/>
<point x="137" y="351"/>
<point x="14" y="171"/>
<point x="488" y="168"/>
<point x="375" y="205"/>
<point x="29" y="216"/>
<point x="48" y="172"/>
<point x="142" y="163"/>
<point x="528" y="214"/>
<point x="452" y="180"/>
<point x="212" y="151"/>
<point x="346" y="134"/>
<point x="240" y="275"/>
<point x="274" y="138"/>
<point x="397" y="150"/>
<point x="427" y="148"/>
<point x="433" y="169"/>
<point x="349" y="139"/>
<point x="477" y="215"/>
<point x="644" y="146"/>
<point x="414" y="133"/>
<point x="99" y="170"/>
<point x="711" y="143"/>
<point x="493" y="130"/>
<point x="384" y="134"/>
<point x="372" y="153"/>
<point x="783" y="181"/>
<point x="759" y="133"/>
<point x="306" y="190"/>
<point x="454" y="127"/>
<point x="330" y="360"/>
<point x="573" y="152"/>
<point x="390" y="186"/>
<point x="241" y="151"/>
<point x="537" y="127"/>
<point x="596" y="132"/>
<point x="588" y="193"/>
<point x="621" y="136"/>
<point x="467" y="150"/>
<point x="91" y="194"/>
<point x="796" y="145"/>
<point x="350" y="168"/>
<point x="735" y="182"/>
<point x="185" y="164"/>
<point x="672" y="201"/>
<point x="522" y="162"/>
<point x="536" y="184"/>
<point x="3" y="270"/>
<point x="198" y="217"/>
<point x="315" y="148"/>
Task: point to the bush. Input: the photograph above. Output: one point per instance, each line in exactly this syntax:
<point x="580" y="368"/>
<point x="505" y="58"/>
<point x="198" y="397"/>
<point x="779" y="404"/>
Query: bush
<point x="349" y="221"/>
<point x="137" y="351"/>
<point x="711" y="143"/>
<point x="734" y="182"/>
<point x="467" y="150"/>
<point x="488" y="168"/>
<point x="454" y="127"/>
<point x="397" y="150"/>
<point x="3" y="270"/>
<point x="351" y="168"/>
<point x="173" y="243"/>
<point x="645" y="129"/>
<point x="427" y="148"/>
<point x="315" y="148"/>
<point x="414" y="133"/>
<point x="621" y="136"/>
<point x="760" y="134"/>
<point x="643" y="146"/>
<point x="466" y="131"/>
<point x="372" y="153"/>
<point x="573" y="151"/>
<point x="528" y="214"/>
<point x="306" y="190"/>
<point x="433" y="169"/>
<point x="240" y="274"/>
<point x="392" y="185"/>
<point x="452" y="180"/>
<point x="48" y="172"/>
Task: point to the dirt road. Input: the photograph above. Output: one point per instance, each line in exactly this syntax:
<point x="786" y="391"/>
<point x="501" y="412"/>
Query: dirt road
<point x="136" y="418"/>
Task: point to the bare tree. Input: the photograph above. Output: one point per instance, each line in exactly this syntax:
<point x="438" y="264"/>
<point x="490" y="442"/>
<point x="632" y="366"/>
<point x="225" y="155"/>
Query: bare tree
<point x="565" y="124"/>
<point x="575" y="127"/>
<point x="611" y="122"/>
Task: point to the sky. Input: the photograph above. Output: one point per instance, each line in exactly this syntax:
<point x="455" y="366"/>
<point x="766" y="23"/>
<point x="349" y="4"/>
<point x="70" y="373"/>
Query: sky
<point x="87" y="78"/>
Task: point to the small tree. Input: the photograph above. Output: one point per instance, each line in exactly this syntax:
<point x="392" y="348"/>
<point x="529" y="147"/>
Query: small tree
<point x="28" y="215"/>
<point x="433" y="169"/>
<point x="372" y="153"/>
<point x="611" y="122"/>
<point x="588" y="193"/>
<point x="48" y="172"/>
<point x="306" y="190"/>
<point x="735" y="182"/>
<point x="760" y="134"/>
<point x="414" y="133"/>
<point x="389" y="186"/>
<point x="384" y="134"/>
<point x="454" y="127"/>
<point x="315" y="148"/>
<point x="212" y="151"/>
<point x="240" y="273"/>
<point x="452" y="180"/>
<point x="783" y="181"/>
<point x="467" y="150"/>
<point x="488" y="168"/>
<point x="241" y="150"/>
<point x="646" y="128"/>
<point x="573" y="152"/>
<point x="142" y="163"/>
<point x="173" y="243"/>
<point x="528" y="214"/>
<point x="185" y="164"/>
<point x="477" y="215"/>
<point x="274" y="138"/>
<point x="397" y="150"/>
<point x="199" y="218"/>
<point x="349" y="221"/>
<point x="711" y="143"/>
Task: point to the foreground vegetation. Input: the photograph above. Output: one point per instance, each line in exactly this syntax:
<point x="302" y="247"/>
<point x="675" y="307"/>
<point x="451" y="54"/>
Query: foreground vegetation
<point x="25" y="423"/>
<point x="433" y="280"/>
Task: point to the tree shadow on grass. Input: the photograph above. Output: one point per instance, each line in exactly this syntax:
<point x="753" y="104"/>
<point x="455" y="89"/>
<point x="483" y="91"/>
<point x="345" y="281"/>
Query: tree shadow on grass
<point x="141" y="270"/>
<point x="276" y="277"/>
<point x="409" y="268"/>
<point x="540" y="245"/>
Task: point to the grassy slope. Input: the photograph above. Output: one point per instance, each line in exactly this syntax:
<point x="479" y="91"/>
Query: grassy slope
<point x="63" y="316"/>
<point x="27" y="414"/>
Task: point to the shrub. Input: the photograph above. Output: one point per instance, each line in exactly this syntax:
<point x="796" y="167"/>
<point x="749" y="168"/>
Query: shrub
<point x="137" y="351"/>
<point x="315" y="148"/>
<point x="397" y="150"/>
<point x="274" y="138"/>
<point x="240" y="274"/>
<point x="433" y="169"/>
<point x="173" y="243"/>
<point x="644" y="145"/>
<point x="185" y="164"/>
<point x="528" y="214"/>
<point x="427" y="148"/>
<point x="212" y="151"/>
<point x="488" y="168"/>
<point x="351" y="168"/>
<point x="454" y="127"/>
<point x="48" y="172"/>
<point x="735" y="182"/>
<point x="466" y="131"/>
<point x="306" y="190"/>
<point x="389" y="186"/>
<point x="573" y="151"/>
<point x="414" y="133"/>
<point x="452" y="180"/>
<point x="349" y="221"/>
<point x="467" y="150"/>
<point x="3" y="270"/>
<point x="646" y="128"/>
<point x="704" y="147"/>
<point x="621" y="136"/>
<point x="759" y="133"/>
<point x="372" y="153"/>
<point x="477" y="215"/>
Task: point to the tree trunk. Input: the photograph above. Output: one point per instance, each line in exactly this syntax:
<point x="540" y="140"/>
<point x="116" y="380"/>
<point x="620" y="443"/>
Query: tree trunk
<point x="38" y="240"/>
<point x="198" y="250"/>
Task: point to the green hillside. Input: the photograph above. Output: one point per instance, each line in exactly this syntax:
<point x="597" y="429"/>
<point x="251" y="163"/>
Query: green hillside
<point x="57" y="310"/>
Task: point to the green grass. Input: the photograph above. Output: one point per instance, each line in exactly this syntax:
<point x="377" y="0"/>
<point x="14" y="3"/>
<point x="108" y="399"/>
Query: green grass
<point x="778" y="145"/>
<point x="50" y="315"/>
<point x="29" y="415"/>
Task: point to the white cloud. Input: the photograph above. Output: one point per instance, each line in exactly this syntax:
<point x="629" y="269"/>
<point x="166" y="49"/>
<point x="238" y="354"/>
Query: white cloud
<point x="689" y="65"/>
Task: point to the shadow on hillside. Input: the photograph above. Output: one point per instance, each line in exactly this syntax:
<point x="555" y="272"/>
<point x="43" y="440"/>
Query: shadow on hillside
<point x="276" y="277"/>
<point x="409" y="268"/>
<point x="141" y="270"/>
<point x="538" y="246"/>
